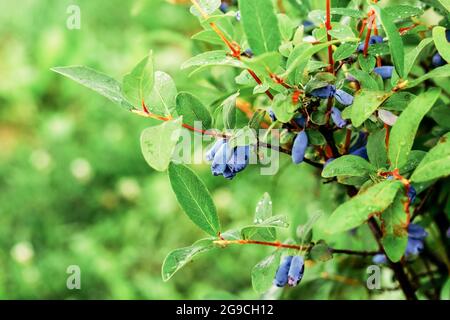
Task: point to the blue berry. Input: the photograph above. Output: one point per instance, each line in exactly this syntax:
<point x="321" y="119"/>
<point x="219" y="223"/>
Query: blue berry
<point x="343" y="97"/>
<point x="438" y="61"/>
<point x="212" y="152"/>
<point x="239" y="159"/>
<point x="281" y="277"/>
<point x="300" y="120"/>
<point x="413" y="248"/>
<point x="272" y="115"/>
<point x="299" y="147"/>
<point x="219" y="163"/>
<point x="248" y="52"/>
<point x="337" y="118"/>
<point x="296" y="270"/>
<point x="379" y="259"/>
<point x="360" y="142"/>
<point x="385" y="71"/>
<point x="324" y="92"/>
<point x="412" y="194"/>
<point x="361" y="152"/>
<point x="416" y="231"/>
<point x="224" y="7"/>
<point x="228" y="162"/>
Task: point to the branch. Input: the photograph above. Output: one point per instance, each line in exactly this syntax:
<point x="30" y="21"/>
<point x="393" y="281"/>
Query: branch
<point x="278" y="244"/>
<point x="400" y="274"/>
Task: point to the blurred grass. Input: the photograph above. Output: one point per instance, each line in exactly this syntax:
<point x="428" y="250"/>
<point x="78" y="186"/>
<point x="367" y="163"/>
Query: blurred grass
<point x="74" y="188"/>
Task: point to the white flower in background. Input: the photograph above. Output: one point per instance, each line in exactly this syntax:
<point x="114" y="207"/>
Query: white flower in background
<point x="40" y="159"/>
<point x="81" y="169"/>
<point x="129" y="188"/>
<point x="22" y="252"/>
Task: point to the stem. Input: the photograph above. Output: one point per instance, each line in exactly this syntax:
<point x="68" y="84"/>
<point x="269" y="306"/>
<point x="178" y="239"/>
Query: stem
<point x="369" y="31"/>
<point x="291" y="246"/>
<point x="400" y="274"/>
<point x="328" y="27"/>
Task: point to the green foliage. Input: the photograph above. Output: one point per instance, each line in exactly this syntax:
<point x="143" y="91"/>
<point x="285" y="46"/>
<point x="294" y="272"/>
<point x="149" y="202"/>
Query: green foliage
<point x="121" y="216"/>
<point x="194" y="198"/>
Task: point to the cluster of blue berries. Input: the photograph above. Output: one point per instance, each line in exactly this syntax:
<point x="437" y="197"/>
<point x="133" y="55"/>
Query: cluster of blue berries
<point x="227" y="161"/>
<point x="416" y="237"/>
<point x="290" y="271"/>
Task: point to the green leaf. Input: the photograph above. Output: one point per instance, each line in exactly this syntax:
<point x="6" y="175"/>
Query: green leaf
<point x="442" y="45"/>
<point x="265" y="229"/>
<point x="365" y="103"/>
<point x="341" y="32"/>
<point x="300" y="56"/>
<point x="283" y="108"/>
<point x="97" y="81"/>
<point x="158" y="143"/>
<point x="263" y="208"/>
<point x="260" y="25"/>
<point x="347" y="12"/>
<point x="364" y="78"/>
<point x="376" y="148"/>
<point x="398" y="101"/>
<point x="264" y="272"/>
<point x="395" y="41"/>
<point x="400" y="12"/>
<point x="194" y="198"/>
<point x="358" y="209"/>
<point x="345" y="50"/>
<point x="206" y="7"/>
<point x="412" y="55"/>
<point x="162" y="99"/>
<point x="321" y="252"/>
<point x="445" y="291"/>
<point x="263" y="63"/>
<point x="404" y="131"/>
<point x="436" y="163"/>
<point x="367" y="63"/>
<point x="207" y="36"/>
<point x="414" y="158"/>
<point x="395" y="233"/>
<point x="229" y="111"/>
<point x="446" y="5"/>
<point x="178" y="258"/>
<point x="138" y="84"/>
<point x="441" y="72"/>
<point x="212" y="58"/>
<point x="348" y="165"/>
<point x="193" y="110"/>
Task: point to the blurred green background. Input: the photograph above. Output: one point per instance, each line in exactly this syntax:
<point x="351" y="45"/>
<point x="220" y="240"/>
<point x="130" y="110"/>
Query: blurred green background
<point x="75" y="189"/>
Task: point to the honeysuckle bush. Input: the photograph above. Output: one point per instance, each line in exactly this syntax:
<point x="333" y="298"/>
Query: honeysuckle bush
<point x="359" y="90"/>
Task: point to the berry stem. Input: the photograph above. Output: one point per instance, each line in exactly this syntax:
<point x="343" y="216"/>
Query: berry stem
<point x="328" y="27"/>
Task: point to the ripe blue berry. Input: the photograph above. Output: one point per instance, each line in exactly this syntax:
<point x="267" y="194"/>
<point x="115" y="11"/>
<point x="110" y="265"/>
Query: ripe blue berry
<point x="324" y="92"/>
<point x="337" y="118"/>
<point x="299" y="147"/>
<point x="300" y="120"/>
<point x="272" y="115"/>
<point x="239" y="159"/>
<point x="248" y="52"/>
<point x="281" y="277"/>
<point x="412" y="194"/>
<point x="416" y="231"/>
<point x="385" y="71"/>
<point x="438" y="61"/>
<point x="212" y="152"/>
<point x="224" y="7"/>
<point x="343" y="97"/>
<point x="219" y="163"/>
<point x="361" y="152"/>
<point x="296" y="270"/>
<point x="379" y="259"/>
